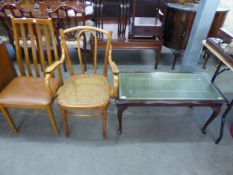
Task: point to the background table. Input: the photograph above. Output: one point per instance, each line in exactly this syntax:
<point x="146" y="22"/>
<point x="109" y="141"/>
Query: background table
<point x="227" y="60"/>
<point x="167" y="89"/>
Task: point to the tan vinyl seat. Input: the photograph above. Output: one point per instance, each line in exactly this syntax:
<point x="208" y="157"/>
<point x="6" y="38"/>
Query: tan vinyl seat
<point x="27" y="91"/>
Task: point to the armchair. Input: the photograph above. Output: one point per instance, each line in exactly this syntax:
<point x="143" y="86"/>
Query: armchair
<point x="86" y="91"/>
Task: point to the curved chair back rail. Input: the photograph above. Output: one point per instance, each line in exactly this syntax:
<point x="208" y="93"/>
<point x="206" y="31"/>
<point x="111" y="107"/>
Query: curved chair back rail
<point x="92" y="31"/>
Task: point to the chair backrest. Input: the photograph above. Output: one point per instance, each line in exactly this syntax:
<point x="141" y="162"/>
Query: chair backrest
<point x="9" y="10"/>
<point x="7" y="70"/>
<point x="66" y="16"/>
<point x="94" y="33"/>
<point x="43" y="45"/>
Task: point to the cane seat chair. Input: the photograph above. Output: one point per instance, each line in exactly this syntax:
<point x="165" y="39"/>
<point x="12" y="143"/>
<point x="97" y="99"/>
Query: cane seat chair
<point x="11" y="10"/>
<point x="29" y="88"/>
<point x="86" y="91"/>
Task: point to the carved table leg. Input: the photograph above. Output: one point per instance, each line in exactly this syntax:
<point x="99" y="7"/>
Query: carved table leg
<point x="216" y="110"/>
<point x="223" y="122"/>
<point x="120" y="110"/>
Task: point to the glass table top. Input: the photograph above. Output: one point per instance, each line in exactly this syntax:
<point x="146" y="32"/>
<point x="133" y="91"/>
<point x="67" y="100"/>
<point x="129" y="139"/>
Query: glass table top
<point x="167" y="86"/>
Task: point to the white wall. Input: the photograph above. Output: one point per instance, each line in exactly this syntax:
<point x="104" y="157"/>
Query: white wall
<point x="229" y="20"/>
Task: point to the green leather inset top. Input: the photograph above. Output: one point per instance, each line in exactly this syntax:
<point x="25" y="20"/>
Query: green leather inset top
<point x="167" y="86"/>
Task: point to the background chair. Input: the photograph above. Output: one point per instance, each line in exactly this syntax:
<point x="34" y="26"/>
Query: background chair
<point x="66" y="16"/>
<point x="28" y="90"/>
<point x="86" y="91"/>
<point x="6" y="12"/>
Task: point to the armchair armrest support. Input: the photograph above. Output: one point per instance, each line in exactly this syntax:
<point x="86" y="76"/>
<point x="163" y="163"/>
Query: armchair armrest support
<point x="115" y="72"/>
<point x="49" y="71"/>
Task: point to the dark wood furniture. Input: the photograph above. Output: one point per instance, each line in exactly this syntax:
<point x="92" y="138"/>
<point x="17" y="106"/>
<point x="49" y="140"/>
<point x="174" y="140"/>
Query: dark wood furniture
<point x="143" y="26"/>
<point x="121" y="29"/>
<point x="8" y="10"/>
<point x="27" y="8"/>
<point x="45" y="6"/>
<point x="223" y="36"/>
<point x="66" y="16"/>
<point x="179" y="19"/>
<point x="31" y="89"/>
<point x="214" y="46"/>
<point x="167" y="89"/>
<point x="7" y="74"/>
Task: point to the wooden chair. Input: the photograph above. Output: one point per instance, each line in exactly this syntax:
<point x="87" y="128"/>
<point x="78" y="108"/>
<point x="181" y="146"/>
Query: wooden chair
<point x="6" y="12"/>
<point x="66" y="16"/>
<point x="85" y="91"/>
<point x="29" y="90"/>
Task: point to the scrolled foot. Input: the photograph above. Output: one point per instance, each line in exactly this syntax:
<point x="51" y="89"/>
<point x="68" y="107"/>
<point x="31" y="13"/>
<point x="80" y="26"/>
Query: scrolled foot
<point x="203" y="131"/>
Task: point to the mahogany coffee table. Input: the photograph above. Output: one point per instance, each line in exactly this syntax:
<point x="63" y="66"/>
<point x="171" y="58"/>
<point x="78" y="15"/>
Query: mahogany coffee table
<point x="167" y="89"/>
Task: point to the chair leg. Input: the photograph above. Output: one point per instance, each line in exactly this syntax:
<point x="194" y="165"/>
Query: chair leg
<point x="8" y="118"/>
<point x="52" y="120"/>
<point x="64" y="116"/>
<point x="104" y="110"/>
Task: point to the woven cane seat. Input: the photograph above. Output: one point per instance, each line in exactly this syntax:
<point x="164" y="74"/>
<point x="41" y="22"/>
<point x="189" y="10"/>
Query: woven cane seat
<point x="87" y="90"/>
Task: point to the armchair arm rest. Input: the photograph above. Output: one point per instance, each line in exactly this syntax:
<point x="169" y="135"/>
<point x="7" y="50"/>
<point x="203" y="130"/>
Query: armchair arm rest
<point x="114" y="68"/>
<point x="115" y="72"/>
<point x="52" y="67"/>
<point x="48" y="73"/>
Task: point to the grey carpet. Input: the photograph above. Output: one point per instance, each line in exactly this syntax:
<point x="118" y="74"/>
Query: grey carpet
<point x="155" y="140"/>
